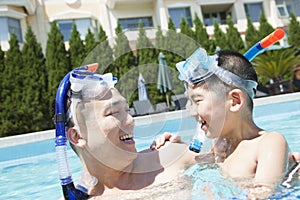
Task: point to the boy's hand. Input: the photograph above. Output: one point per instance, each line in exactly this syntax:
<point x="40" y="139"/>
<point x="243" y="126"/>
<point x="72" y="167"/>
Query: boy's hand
<point x="296" y="156"/>
<point x="162" y="139"/>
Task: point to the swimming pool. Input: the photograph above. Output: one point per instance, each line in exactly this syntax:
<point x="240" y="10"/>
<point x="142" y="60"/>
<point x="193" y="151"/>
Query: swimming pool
<point x="29" y="171"/>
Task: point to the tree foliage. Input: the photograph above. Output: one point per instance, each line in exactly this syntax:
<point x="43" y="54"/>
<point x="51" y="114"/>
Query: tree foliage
<point x="234" y="39"/>
<point x="90" y="42"/>
<point x="105" y="55"/>
<point x="57" y="63"/>
<point x="159" y="39"/>
<point x="101" y="52"/>
<point x="124" y="58"/>
<point x="201" y="36"/>
<point x="2" y="97"/>
<point x="123" y="64"/>
<point x="145" y="49"/>
<point x="265" y="28"/>
<point x="276" y="64"/>
<point x="147" y="60"/>
<point x="76" y="50"/>
<point x="252" y="35"/>
<point x="2" y="65"/>
<point x="34" y="99"/>
<point x="186" y="38"/>
<point x="294" y="31"/>
<point x="220" y="37"/>
<point x="12" y="116"/>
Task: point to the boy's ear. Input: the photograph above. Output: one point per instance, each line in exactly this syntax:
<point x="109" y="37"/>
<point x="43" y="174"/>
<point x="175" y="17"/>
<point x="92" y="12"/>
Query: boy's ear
<point x="75" y="138"/>
<point x="237" y="99"/>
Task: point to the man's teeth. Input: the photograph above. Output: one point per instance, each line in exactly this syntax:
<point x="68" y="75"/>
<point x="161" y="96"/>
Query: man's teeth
<point x="126" y="137"/>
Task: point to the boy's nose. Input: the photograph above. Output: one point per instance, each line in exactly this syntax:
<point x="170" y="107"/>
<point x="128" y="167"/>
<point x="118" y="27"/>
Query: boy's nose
<point x="193" y="110"/>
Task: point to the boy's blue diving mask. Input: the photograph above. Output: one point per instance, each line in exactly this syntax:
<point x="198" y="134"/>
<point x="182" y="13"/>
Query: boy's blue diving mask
<point x="199" y="66"/>
<point x="87" y="86"/>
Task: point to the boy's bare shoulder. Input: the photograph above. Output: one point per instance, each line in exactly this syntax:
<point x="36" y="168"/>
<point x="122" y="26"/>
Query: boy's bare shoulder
<point x="272" y="140"/>
<point x="273" y="136"/>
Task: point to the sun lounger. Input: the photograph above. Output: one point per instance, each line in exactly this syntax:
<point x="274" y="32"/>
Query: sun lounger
<point x="144" y="107"/>
<point x="180" y="101"/>
<point x="132" y="112"/>
<point x="161" y="107"/>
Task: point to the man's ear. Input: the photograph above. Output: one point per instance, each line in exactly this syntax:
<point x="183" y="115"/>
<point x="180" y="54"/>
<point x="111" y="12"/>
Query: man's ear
<point x="237" y="99"/>
<point x="75" y="138"/>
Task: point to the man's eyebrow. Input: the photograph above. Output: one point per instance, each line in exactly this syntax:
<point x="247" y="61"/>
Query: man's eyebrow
<point x="119" y="102"/>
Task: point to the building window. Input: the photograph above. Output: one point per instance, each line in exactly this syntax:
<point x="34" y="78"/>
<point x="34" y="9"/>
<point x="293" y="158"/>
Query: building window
<point x="9" y="26"/>
<point x="82" y="25"/>
<point x="133" y="23"/>
<point x="219" y="17"/>
<point x="286" y="7"/>
<point x="253" y="10"/>
<point x="177" y="14"/>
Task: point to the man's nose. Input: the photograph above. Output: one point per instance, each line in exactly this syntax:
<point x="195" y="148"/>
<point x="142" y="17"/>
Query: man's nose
<point x="128" y="121"/>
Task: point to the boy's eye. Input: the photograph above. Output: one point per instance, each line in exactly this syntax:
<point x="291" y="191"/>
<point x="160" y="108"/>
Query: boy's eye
<point x="197" y="100"/>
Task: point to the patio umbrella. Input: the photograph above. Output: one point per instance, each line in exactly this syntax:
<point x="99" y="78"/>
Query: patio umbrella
<point x="142" y="90"/>
<point x="164" y="81"/>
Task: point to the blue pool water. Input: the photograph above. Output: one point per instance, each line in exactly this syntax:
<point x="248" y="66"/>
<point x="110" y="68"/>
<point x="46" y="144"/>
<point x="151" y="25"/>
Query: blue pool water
<point x="30" y="171"/>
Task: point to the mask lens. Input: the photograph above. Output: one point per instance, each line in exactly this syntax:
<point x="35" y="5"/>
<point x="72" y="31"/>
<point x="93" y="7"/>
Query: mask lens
<point x="197" y="67"/>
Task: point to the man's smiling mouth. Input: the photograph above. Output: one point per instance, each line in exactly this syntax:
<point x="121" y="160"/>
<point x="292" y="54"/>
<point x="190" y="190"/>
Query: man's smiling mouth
<point x="126" y="137"/>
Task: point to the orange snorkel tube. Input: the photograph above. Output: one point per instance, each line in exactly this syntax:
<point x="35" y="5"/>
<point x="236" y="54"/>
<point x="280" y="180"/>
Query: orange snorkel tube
<point x="273" y="37"/>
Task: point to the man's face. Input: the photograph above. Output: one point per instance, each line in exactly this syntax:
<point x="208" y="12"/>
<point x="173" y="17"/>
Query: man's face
<point x="110" y="130"/>
<point x="208" y="108"/>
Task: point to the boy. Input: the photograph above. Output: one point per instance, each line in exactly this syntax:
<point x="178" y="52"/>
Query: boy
<point x="221" y="89"/>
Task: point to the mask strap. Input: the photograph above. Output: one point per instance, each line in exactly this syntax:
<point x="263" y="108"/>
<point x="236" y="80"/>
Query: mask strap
<point x="233" y="79"/>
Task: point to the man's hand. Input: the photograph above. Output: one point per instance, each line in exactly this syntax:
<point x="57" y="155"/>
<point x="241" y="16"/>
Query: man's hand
<point x="162" y="139"/>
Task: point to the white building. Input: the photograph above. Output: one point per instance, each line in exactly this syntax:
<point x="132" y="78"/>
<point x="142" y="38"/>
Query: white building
<point x="15" y="15"/>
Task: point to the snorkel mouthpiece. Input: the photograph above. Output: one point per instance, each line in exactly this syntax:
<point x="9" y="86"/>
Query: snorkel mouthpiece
<point x="81" y="80"/>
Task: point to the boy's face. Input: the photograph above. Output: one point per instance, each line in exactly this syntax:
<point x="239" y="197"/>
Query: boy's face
<point x="209" y="109"/>
<point x="110" y="130"/>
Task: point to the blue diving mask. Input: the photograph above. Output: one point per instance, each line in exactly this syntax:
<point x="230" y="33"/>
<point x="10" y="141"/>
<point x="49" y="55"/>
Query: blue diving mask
<point x="87" y="86"/>
<point x="199" y="66"/>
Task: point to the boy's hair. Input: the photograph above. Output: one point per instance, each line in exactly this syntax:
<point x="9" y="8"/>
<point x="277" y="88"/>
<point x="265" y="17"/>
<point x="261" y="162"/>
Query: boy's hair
<point x="237" y="64"/>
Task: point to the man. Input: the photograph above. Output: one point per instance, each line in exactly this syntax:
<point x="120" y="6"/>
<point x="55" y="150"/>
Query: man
<point x="100" y="130"/>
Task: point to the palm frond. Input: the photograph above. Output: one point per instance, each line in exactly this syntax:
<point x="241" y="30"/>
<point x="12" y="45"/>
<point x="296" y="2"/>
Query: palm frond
<point x="276" y="64"/>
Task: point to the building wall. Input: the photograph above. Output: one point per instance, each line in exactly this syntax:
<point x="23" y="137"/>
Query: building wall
<point x="39" y="14"/>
